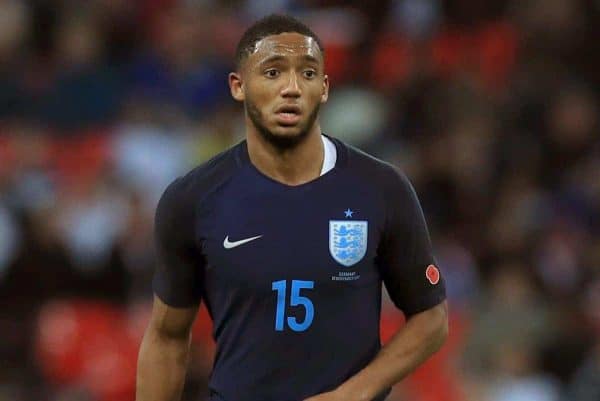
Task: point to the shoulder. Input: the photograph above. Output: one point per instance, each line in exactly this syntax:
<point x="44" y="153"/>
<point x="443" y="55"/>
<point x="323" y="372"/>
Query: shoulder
<point x="179" y="199"/>
<point x="203" y="179"/>
<point x="385" y="176"/>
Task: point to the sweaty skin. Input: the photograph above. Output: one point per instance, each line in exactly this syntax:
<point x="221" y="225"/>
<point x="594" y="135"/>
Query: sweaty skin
<point x="269" y="47"/>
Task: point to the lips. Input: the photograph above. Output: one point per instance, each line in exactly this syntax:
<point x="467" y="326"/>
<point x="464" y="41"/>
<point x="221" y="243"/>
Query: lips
<point x="288" y="114"/>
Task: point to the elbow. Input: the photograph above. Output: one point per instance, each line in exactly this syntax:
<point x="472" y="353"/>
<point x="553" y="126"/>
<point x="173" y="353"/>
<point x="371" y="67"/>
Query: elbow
<point x="169" y="334"/>
<point x="440" y="337"/>
<point x="440" y="329"/>
<point x="433" y="327"/>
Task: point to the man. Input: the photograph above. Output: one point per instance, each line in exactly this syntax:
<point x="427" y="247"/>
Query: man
<point x="287" y="238"/>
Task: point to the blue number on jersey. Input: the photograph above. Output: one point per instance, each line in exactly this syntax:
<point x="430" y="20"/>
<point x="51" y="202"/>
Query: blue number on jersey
<point x="295" y="300"/>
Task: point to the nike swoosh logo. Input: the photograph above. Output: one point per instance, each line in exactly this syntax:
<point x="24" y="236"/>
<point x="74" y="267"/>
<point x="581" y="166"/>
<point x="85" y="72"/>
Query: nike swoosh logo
<point x="228" y="245"/>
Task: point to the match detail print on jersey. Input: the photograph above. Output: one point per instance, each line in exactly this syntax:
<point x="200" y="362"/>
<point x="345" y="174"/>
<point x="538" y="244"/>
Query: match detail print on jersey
<point x="228" y="244"/>
<point x="348" y="241"/>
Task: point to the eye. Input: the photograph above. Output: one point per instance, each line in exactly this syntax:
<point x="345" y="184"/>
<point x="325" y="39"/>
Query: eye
<point x="272" y="73"/>
<point x="310" y="74"/>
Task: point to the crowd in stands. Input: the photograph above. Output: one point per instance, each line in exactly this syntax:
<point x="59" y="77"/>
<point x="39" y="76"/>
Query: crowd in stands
<point x="490" y="107"/>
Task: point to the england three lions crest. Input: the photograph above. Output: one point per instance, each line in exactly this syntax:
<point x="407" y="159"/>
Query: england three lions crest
<point x="347" y="241"/>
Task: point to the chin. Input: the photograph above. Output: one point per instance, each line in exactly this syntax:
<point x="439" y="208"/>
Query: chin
<point x="285" y="137"/>
<point x="288" y="131"/>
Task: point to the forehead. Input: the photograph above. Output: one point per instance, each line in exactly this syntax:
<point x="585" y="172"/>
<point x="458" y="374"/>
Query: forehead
<point x="287" y="44"/>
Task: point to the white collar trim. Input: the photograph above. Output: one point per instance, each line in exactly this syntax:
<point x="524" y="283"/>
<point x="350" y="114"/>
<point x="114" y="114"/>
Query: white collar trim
<point x="330" y="155"/>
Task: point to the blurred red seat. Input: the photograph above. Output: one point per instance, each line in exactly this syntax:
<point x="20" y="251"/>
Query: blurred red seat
<point x="436" y="379"/>
<point x="86" y="344"/>
<point x="82" y="157"/>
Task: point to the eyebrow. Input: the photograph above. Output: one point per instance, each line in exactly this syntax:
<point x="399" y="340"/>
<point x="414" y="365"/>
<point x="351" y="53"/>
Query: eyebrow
<point x="308" y="57"/>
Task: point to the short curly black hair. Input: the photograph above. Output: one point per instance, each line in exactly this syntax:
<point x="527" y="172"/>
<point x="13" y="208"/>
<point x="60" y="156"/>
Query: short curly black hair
<point x="273" y="24"/>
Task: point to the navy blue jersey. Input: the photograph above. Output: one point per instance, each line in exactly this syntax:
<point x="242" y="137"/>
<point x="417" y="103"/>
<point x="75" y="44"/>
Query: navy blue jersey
<point x="291" y="275"/>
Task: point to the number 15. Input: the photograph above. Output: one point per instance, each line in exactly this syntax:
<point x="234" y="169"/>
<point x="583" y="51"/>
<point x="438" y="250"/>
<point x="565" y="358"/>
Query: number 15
<point x="295" y="300"/>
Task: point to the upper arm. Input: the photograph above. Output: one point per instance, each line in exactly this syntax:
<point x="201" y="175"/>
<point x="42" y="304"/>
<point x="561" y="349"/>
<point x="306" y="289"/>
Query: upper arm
<point x="405" y="254"/>
<point x="172" y="322"/>
<point x="178" y="278"/>
<point x="437" y="315"/>
<point x="433" y="323"/>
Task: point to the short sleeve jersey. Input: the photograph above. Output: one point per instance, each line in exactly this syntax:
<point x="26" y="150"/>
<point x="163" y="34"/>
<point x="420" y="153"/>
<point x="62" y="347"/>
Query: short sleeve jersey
<point x="291" y="275"/>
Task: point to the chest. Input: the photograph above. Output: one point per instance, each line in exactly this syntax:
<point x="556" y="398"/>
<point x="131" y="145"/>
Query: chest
<point x="329" y="236"/>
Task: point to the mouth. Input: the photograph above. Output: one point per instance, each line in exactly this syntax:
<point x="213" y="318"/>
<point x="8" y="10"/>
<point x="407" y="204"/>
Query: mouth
<point x="288" y="115"/>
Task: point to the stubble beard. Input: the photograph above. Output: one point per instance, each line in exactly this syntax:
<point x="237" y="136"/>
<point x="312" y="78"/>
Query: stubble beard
<point x="280" y="142"/>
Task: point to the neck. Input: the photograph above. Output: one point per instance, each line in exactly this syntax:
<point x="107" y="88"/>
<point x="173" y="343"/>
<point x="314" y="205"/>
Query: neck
<point x="294" y="166"/>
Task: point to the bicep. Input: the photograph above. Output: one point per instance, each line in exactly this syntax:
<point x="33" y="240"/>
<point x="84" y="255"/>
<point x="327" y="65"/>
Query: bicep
<point x="405" y="256"/>
<point x="436" y="315"/>
<point x="432" y="323"/>
<point x="172" y="322"/>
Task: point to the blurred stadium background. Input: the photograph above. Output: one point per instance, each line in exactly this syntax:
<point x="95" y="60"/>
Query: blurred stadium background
<point x="491" y="107"/>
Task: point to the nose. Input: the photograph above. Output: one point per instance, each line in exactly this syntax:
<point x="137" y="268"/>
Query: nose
<point x="292" y="88"/>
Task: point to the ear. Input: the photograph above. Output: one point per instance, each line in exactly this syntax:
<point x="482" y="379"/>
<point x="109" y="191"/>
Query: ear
<point x="236" y="86"/>
<point x="325" y="92"/>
